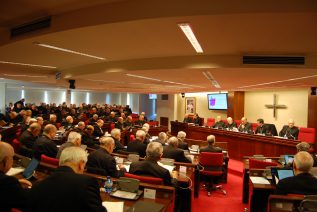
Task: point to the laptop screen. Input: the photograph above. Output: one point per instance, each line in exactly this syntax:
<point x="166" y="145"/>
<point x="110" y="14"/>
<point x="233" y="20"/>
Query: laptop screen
<point x="284" y="173"/>
<point x="28" y="172"/>
<point x="289" y="159"/>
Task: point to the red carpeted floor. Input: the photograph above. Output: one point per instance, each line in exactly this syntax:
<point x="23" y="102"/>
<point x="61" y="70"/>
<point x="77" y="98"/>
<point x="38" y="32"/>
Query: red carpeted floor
<point x="232" y="202"/>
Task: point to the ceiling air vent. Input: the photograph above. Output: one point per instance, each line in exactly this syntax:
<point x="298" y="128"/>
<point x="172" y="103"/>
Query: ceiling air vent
<point x="274" y="60"/>
<point x="31" y="26"/>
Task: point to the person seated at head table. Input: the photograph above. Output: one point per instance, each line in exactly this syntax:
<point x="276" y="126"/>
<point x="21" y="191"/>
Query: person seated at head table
<point x="67" y="189"/>
<point x="211" y="145"/>
<point x="138" y="145"/>
<point x="289" y="131"/>
<point x="119" y="123"/>
<point x="150" y="167"/>
<point x="303" y="182"/>
<point x="245" y="126"/>
<point x="187" y="119"/>
<point x="116" y="135"/>
<point x="219" y="124"/>
<point x="87" y="138"/>
<point x="262" y="128"/>
<point x="45" y="144"/>
<point x="98" y="132"/>
<point x="12" y="190"/>
<point x="128" y="123"/>
<point x="29" y="136"/>
<point x="101" y="162"/>
<point x="231" y="124"/>
<point x="162" y="138"/>
<point x="197" y="119"/>
<point x="181" y="135"/>
<point x="172" y="151"/>
<point x="74" y="139"/>
<point x="68" y="124"/>
<point x="304" y="146"/>
<point x="141" y="121"/>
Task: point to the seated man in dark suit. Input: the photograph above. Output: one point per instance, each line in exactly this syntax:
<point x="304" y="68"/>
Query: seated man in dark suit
<point x="68" y="124"/>
<point x="98" y="132"/>
<point x="187" y="119"/>
<point x="171" y="151"/>
<point x="112" y="118"/>
<point x="303" y="182"/>
<point x="45" y="144"/>
<point x="304" y="146"/>
<point x="181" y="135"/>
<point x="211" y="145"/>
<point x="290" y="131"/>
<point x="138" y="145"/>
<point x="128" y="123"/>
<point x="93" y="119"/>
<point x="119" y="123"/>
<point x="12" y="193"/>
<point x="87" y="138"/>
<point x="245" y="126"/>
<point x="101" y="162"/>
<point x="74" y="139"/>
<point x="231" y="124"/>
<point x="219" y="124"/>
<point x="162" y="138"/>
<point x="197" y="119"/>
<point x="52" y="120"/>
<point x="149" y="166"/>
<point x="116" y="135"/>
<point x="140" y="122"/>
<point x="261" y="128"/>
<point x="29" y="136"/>
<point x="67" y="189"/>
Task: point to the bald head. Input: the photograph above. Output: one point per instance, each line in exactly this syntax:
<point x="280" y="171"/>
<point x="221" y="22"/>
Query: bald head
<point x="6" y="157"/>
<point x="303" y="162"/>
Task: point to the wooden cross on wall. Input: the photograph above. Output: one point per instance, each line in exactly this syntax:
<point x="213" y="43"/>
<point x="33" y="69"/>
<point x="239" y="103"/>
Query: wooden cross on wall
<point x="275" y="106"/>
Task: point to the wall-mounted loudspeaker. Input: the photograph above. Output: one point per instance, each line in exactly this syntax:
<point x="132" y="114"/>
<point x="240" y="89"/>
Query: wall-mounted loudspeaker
<point x="313" y="91"/>
<point x="71" y="84"/>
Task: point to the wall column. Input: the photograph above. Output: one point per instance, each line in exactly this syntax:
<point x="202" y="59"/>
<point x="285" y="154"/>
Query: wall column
<point x="235" y="105"/>
<point x="312" y="112"/>
<point x="68" y="96"/>
<point x="3" y="87"/>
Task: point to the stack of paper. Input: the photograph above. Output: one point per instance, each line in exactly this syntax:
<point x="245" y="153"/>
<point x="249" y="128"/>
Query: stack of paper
<point x="15" y="171"/>
<point x="113" y="206"/>
<point x="259" y="180"/>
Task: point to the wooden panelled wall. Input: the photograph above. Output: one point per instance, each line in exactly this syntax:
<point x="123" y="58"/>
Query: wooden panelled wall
<point x="312" y="112"/>
<point x="235" y="105"/>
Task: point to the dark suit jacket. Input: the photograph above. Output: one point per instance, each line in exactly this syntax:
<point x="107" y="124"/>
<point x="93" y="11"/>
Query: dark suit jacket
<point x="304" y="183"/>
<point x="231" y="126"/>
<point x="139" y="122"/>
<point x="264" y="129"/>
<point x="27" y="139"/>
<point x="64" y="190"/>
<point x="118" y="125"/>
<point x="137" y="146"/>
<point x="219" y="124"/>
<point x="247" y="128"/>
<point x="188" y="120"/>
<point x="182" y="145"/>
<point x="101" y="162"/>
<point x="197" y="121"/>
<point x="44" y="145"/>
<point x="98" y="132"/>
<point x="128" y="124"/>
<point x="89" y="141"/>
<point x="11" y="194"/>
<point x="291" y="133"/>
<point x="118" y="145"/>
<point x="210" y="148"/>
<point x="176" y="154"/>
<point x="151" y="169"/>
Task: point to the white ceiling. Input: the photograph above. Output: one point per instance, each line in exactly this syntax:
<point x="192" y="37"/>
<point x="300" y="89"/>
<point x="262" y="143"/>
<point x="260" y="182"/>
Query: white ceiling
<point x="142" y="38"/>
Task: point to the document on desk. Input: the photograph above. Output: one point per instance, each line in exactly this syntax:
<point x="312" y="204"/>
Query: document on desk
<point x="127" y="167"/>
<point x="168" y="167"/>
<point x="113" y="206"/>
<point x="15" y="171"/>
<point x="124" y="194"/>
<point x="259" y="180"/>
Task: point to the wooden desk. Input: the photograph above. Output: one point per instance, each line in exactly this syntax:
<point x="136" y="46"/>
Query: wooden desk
<point x="239" y="144"/>
<point x="8" y="133"/>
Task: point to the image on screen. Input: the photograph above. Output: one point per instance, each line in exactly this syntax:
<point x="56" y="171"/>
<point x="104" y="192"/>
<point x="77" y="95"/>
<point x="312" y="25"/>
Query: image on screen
<point x="28" y="172"/>
<point x="217" y="101"/>
<point x="289" y="159"/>
<point x="284" y="173"/>
<point x="152" y="96"/>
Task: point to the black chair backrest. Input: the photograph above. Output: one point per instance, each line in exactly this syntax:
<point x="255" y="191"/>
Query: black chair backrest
<point x="309" y="203"/>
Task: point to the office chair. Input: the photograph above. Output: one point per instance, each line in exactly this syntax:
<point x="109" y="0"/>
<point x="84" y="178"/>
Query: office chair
<point x="309" y="203"/>
<point x="49" y="160"/>
<point x="260" y="164"/>
<point x="212" y="164"/>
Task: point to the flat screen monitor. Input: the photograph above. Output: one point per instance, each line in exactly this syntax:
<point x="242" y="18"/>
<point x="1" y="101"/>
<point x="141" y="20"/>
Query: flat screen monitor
<point x="152" y="96"/>
<point x="217" y="101"/>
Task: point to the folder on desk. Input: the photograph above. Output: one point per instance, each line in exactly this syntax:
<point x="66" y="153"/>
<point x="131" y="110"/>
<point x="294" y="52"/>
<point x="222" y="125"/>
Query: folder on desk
<point x="146" y="206"/>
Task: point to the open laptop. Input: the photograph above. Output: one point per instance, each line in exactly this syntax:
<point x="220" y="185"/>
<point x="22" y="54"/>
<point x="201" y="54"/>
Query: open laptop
<point x="30" y="169"/>
<point x="128" y="188"/>
<point x="279" y="173"/>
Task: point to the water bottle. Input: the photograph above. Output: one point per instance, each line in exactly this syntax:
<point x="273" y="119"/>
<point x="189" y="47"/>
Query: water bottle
<point x="108" y="185"/>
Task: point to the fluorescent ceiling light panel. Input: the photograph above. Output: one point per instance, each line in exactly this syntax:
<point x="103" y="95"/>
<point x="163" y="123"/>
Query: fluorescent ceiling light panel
<point x="23" y="75"/>
<point x="185" y="27"/>
<point x="211" y="78"/>
<point x="68" y="51"/>
<point x="27" y="64"/>
<point x="142" y="77"/>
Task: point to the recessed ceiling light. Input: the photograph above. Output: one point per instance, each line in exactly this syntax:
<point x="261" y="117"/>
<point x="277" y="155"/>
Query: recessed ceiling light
<point x="27" y="64"/>
<point x="185" y="27"/>
<point x="114" y="71"/>
<point x="67" y="76"/>
<point x="68" y="50"/>
<point x="142" y="77"/>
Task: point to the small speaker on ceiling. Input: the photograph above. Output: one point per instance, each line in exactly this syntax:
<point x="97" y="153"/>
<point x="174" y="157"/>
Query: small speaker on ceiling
<point x="71" y="84"/>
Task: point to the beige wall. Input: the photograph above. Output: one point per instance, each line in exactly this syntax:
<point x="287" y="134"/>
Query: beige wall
<point x="296" y="101"/>
<point x="201" y="106"/>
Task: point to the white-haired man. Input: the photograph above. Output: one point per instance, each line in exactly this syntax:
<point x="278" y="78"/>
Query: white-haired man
<point x="231" y="124"/>
<point x="172" y="151"/>
<point x="181" y="135"/>
<point x="149" y="166"/>
<point x="116" y="135"/>
<point x="12" y="194"/>
<point x="245" y="126"/>
<point x="101" y="162"/>
<point x="68" y="189"/>
<point x="303" y="182"/>
<point x="290" y="131"/>
<point x="74" y="139"/>
<point x="138" y="145"/>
